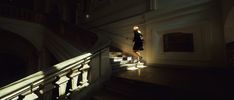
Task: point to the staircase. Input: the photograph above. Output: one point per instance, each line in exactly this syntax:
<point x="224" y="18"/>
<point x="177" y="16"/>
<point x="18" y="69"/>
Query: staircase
<point x="121" y="62"/>
<point x="76" y="74"/>
<point x="121" y="87"/>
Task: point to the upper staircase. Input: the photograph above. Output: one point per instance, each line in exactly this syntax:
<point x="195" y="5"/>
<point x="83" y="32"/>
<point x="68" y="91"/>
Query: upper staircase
<point x="78" y="69"/>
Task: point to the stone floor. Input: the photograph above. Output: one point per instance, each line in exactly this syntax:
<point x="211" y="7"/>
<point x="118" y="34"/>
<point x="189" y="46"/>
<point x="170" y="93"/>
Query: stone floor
<point x="219" y="82"/>
<point x="171" y="83"/>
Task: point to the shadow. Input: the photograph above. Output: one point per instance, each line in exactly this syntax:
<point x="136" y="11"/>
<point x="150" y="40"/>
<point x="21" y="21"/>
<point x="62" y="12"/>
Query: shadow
<point x="18" y="58"/>
<point x="12" y="68"/>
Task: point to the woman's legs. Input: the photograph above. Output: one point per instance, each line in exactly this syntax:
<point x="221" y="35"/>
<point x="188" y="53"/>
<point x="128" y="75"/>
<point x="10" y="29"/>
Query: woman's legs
<point x="139" y="57"/>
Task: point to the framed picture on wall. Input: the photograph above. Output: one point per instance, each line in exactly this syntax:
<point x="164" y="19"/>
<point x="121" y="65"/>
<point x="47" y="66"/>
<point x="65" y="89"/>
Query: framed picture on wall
<point x="178" y="42"/>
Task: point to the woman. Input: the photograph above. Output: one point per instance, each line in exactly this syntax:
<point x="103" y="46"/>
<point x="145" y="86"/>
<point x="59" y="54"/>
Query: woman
<point x="138" y="42"/>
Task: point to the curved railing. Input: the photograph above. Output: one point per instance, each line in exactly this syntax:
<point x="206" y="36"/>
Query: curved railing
<point x="22" y="14"/>
<point x="59" y="80"/>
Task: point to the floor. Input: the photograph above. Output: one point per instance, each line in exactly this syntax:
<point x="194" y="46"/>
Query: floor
<point x="218" y="82"/>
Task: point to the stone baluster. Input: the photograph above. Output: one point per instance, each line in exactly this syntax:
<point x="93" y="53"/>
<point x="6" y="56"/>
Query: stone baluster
<point x="74" y="79"/>
<point x="62" y="86"/>
<point x="84" y="81"/>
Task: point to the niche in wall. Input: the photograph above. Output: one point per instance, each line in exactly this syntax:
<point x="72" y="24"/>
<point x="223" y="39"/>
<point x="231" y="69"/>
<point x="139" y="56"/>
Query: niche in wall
<point x="178" y="42"/>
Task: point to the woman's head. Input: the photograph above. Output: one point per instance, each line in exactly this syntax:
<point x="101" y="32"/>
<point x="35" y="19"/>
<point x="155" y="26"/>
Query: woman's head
<point x="135" y="28"/>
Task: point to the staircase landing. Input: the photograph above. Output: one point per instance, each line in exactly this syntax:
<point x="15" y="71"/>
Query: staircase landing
<point x="161" y="83"/>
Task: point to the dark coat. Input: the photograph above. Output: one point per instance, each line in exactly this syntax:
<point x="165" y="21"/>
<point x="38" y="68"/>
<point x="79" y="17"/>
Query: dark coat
<point x="138" y="41"/>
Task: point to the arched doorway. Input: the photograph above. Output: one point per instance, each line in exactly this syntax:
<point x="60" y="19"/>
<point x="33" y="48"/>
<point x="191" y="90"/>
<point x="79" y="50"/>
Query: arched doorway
<point x="229" y="36"/>
<point x="18" y="57"/>
<point x="229" y="27"/>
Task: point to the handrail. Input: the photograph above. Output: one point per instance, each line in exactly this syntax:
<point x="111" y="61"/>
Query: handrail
<point x="22" y="14"/>
<point x="41" y="75"/>
<point x="58" y="72"/>
<point x="58" y="75"/>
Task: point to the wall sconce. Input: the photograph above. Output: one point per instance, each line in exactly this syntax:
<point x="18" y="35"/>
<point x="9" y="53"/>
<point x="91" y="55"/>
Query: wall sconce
<point x="87" y="16"/>
<point x="87" y="5"/>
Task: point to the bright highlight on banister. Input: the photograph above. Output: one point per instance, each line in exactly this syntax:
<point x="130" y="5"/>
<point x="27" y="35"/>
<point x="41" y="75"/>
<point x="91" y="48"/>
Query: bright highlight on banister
<point x="61" y="73"/>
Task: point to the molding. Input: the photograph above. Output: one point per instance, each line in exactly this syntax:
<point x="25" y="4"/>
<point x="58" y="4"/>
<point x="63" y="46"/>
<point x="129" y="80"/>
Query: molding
<point x="153" y="4"/>
<point x="152" y="17"/>
<point x="30" y="31"/>
<point x="117" y="15"/>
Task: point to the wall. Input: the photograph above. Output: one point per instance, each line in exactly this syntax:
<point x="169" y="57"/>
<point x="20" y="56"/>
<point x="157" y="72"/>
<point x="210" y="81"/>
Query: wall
<point x="228" y="20"/>
<point x="200" y="17"/>
<point x="109" y="11"/>
<point x="229" y="27"/>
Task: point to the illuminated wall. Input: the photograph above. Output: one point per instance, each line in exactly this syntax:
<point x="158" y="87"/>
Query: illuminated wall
<point x="202" y="18"/>
<point x="229" y="27"/>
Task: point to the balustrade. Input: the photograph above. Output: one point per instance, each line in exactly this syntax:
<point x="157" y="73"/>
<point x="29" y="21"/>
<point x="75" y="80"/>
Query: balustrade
<point x="51" y="83"/>
<point x="58" y="81"/>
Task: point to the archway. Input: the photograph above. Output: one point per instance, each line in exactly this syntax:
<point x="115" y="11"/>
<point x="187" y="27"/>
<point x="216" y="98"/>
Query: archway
<point x="18" y="57"/>
<point x="229" y="27"/>
<point x="229" y="36"/>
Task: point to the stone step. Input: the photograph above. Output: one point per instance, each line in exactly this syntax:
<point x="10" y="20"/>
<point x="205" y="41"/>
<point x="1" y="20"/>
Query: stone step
<point x="116" y="59"/>
<point x="115" y="54"/>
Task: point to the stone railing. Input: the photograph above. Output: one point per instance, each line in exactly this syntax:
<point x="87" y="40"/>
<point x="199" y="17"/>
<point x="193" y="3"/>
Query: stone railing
<point x="60" y="80"/>
<point x="22" y="14"/>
